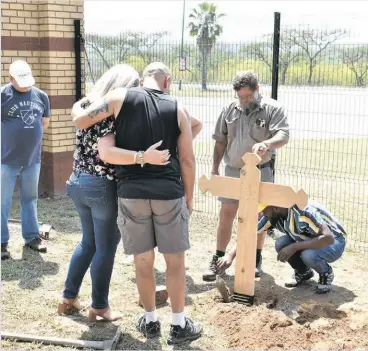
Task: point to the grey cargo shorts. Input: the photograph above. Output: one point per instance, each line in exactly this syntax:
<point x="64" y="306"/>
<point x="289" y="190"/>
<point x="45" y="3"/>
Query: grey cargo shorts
<point x="266" y="176"/>
<point x="145" y="224"/>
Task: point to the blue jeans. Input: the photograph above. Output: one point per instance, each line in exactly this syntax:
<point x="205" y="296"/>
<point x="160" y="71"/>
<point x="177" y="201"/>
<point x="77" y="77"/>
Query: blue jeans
<point x="95" y="199"/>
<point x="28" y="192"/>
<point x="316" y="259"/>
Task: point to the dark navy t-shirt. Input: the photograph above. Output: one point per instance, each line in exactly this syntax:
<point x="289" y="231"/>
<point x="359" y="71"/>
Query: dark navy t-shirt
<point x="21" y="125"/>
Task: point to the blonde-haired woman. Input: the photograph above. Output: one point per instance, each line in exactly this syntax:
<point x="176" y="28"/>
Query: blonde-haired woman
<point x="92" y="187"/>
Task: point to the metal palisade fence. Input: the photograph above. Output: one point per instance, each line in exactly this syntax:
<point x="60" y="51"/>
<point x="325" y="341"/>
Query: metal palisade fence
<point x="322" y="84"/>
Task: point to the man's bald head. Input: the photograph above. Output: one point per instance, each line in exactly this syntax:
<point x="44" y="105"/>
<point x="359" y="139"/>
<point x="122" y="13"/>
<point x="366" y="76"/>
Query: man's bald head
<point x="157" y="73"/>
<point x="156" y="70"/>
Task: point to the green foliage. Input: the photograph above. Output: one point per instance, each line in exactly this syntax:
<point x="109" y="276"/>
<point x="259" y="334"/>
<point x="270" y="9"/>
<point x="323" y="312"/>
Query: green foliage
<point x="340" y="65"/>
<point x="203" y="24"/>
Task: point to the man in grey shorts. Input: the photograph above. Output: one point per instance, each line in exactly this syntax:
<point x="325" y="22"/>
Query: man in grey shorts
<point x="253" y="124"/>
<point x="155" y="202"/>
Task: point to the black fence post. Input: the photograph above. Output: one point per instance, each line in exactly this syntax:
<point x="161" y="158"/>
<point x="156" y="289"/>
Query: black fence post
<point x="78" y="60"/>
<point x="275" y="55"/>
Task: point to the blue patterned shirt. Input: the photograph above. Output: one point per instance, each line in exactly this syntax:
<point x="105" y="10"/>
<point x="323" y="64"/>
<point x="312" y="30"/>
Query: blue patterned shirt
<point x="304" y="224"/>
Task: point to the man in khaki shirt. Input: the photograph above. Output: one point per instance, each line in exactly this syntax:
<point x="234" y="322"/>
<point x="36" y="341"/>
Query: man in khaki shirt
<point x="252" y="124"/>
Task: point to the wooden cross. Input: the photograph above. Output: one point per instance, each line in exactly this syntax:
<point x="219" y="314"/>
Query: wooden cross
<point x="250" y="192"/>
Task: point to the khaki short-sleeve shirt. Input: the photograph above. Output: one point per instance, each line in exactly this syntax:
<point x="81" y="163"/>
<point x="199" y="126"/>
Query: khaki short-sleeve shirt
<point x="242" y="131"/>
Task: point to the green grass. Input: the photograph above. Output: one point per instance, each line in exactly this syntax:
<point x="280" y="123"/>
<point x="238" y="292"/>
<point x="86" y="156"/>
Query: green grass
<point x="334" y="158"/>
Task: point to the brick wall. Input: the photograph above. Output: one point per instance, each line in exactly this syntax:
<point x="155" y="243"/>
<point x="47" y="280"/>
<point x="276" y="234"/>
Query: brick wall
<point x="42" y="33"/>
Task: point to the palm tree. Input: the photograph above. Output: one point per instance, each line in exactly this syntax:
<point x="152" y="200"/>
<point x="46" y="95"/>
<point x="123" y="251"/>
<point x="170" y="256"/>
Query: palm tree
<point x="204" y="26"/>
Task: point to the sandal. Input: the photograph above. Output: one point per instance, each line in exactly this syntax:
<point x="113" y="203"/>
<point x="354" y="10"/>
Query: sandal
<point x="105" y="314"/>
<point x="70" y="304"/>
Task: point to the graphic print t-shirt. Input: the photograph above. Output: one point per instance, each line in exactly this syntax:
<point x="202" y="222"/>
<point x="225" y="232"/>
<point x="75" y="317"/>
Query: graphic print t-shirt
<point x="21" y="125"/>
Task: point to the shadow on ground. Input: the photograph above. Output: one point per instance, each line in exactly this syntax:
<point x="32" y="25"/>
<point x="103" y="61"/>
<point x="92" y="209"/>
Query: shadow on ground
<point x="28" y="270"/>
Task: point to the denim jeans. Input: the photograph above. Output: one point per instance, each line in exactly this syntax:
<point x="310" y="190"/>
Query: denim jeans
<point x="28" y="192"/>
<point x="95" y="199"/>
<point x="316" y="259"/>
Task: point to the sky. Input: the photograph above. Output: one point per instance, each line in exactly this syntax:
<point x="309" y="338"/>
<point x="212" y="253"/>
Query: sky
<point x="244" y="20"/>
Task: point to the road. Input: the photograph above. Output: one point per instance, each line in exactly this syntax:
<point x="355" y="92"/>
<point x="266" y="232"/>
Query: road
<point x="313" y="113"/>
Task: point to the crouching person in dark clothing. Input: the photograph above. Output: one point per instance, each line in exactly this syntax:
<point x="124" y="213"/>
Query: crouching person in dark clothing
<point x="313" y="239"/>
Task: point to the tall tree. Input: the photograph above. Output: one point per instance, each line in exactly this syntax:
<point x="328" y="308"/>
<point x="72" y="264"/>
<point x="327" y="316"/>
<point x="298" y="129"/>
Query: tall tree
<point x="142" y="44"/>
<point x="356" y="59"/>
<point x="100" y="44"/>
<point x="107" y="50"/>
<point x="313" y="43"/>
<point x="204" y="25"/>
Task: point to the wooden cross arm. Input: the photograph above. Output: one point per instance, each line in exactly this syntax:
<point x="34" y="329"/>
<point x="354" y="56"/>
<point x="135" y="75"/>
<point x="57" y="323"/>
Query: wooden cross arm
<point x="269" y="194"/>
<point x="221" y="186"/>
<point x="281" y="196"/>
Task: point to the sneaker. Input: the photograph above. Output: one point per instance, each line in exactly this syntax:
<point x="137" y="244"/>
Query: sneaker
<point x="299" y="278"/>
<point x="210" y="274"/>
<point x="149" y="330"/>
<point x="258" y="271"/>
<point x="5" y="254"/>
<point x="36" y="244"/>
<point x="325" y="282"/>
<point x="191" y="331"/>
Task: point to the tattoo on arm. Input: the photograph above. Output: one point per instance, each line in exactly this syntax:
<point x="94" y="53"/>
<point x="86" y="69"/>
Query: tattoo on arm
<point x="103" y="107"/>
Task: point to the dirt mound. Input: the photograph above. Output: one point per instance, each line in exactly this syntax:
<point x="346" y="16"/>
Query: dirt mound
<point x="319" y="327"/>
<point x="311" y="311"/>
<point x="258" y="327"/>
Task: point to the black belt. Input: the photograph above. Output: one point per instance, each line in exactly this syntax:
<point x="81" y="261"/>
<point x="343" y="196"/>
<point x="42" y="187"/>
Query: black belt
<point x="265" y="165"/>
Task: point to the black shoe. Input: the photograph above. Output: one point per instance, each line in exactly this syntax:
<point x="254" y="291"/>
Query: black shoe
<point x="325" y="282"/>
<point x="5" y="254"/>
<point x="36" y="244"/>
<point x="299" y="278"/>
<point x="149" y="330"/>
<point x="191" y="331"/>
<point x="258" y="271"/>
<point x="210" y="274"/>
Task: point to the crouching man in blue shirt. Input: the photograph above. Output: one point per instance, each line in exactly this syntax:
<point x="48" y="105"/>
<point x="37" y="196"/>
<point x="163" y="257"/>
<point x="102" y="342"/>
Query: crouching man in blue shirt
<point x="313" y="239"/>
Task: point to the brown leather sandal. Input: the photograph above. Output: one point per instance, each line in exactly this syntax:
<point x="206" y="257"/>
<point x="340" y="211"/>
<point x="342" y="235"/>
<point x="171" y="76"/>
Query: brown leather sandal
<point x="70" y="304"/>
<point x="105" y="314"/>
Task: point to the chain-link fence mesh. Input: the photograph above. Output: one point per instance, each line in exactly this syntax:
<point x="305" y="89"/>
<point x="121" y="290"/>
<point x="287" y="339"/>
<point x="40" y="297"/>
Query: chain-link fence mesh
<point x="322" y="86"/>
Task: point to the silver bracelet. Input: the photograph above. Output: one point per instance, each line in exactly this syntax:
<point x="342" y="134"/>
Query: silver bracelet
<point x="141" y="158"/>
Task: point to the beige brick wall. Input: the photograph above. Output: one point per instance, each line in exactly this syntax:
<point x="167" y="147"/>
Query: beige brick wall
<point x="37" y="18"/>
<point x="56" y="18"/>
<point x="19" y="18"/>
<point x="59" y="80"/>
<point x="60" y="136"/>
<point x="54" y="71"/>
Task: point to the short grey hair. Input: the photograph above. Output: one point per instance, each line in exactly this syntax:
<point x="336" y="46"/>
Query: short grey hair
<point x="245" y="79"/>
<point x="118" y="76"/>
<point x="156" y="69"/>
